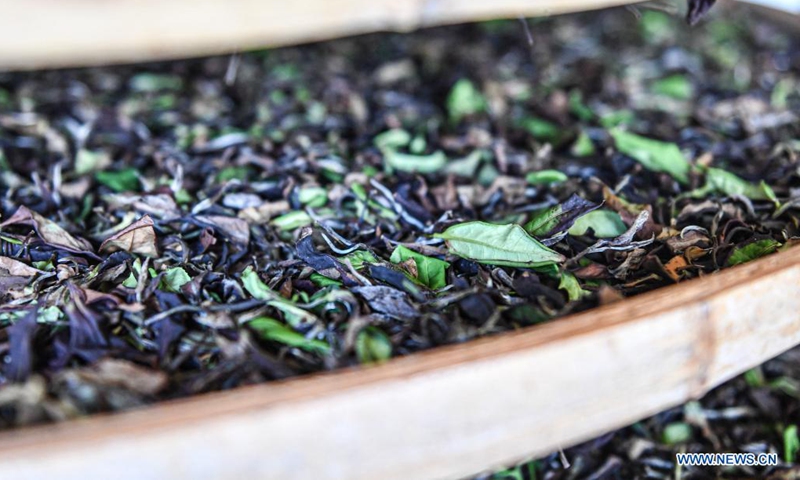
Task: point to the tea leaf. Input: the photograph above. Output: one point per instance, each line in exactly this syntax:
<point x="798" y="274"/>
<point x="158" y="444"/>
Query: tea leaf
<point x="175" y="278"/>
<point x="603" y="223"/>
<point x="126" y="180"/>
<point x="558" y="218"/>
<point x="721" y="181"/>
<point x="273" y="330"/>
<point x="138" y="237"/>
<point x="791" y="443"/>
<point x="751" y="251"/>
<point x="653" y="154"/>
<point x="291" y="221"/>
<point x="153" y="82"/>
<point x="467" y="166"/>
<point x="677" y="433"/>
<point x="406" y="162"/>
<point x="295" y="315"/>
<point x="569" y="283"/>
<point x="373" y="346"/>
<point x="583" y="146"/>
<point x="675" y="86"/>
<point x="464" y="100"/>
<point x="392" y="139"/>
<point x="506" y="245"/>
<point x="430" y="271"/>
<point x="542" y="129"/>
<point x="361" y="257"/>
<point x="546" y="177"/>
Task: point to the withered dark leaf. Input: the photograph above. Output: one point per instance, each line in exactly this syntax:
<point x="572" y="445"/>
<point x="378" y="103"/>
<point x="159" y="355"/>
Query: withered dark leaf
<point x="20" y="342"/>
<point x="388" y="301"/>
<point x="552" y="224"/>
<point x="698" y="9"/>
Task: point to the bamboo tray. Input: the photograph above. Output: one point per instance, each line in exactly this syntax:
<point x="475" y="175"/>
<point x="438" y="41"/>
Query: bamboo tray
<point x="56" y="33"/>
<point x="445" y="413"/>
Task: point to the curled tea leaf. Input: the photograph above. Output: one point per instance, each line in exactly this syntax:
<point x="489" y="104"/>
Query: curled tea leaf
<point x="429" y="271"/>
<point x="50" y="232"/>
<point x="271" y="329"/>
<point x="552" y="223"/>
<point x="373" y="346"/>
<point x="139" y="238"/>
<point x="697" y="9"/>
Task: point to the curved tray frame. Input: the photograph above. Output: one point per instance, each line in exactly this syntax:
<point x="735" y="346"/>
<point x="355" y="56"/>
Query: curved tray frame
<point x="445" y="413"/>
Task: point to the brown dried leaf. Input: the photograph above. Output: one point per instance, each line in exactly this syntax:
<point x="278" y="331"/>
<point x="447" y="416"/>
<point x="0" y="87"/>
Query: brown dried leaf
<point x="49" y="232"/>
<point x="674" y="267"/>
<point x="265" y="212"/>
<point x="139" y="238"/>
<point x="235" y="229"/>
<point x="121" y="373"/>
<point x="691" y="238"/>
<point x="10" y="267"/>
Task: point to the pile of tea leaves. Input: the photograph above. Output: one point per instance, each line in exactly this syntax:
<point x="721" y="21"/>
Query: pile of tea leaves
<point x="177" y="228"/>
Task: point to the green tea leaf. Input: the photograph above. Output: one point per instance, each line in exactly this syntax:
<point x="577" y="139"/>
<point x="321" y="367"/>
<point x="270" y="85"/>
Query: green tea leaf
<point x="90" y="161"/>
<point x="323" y="281"/>
<point x="678" y="87"/>
<point x="751" y="251"/>
<point x="295" y="315"/>
<point x="782" y="91"/>
<point x="721" y="181"/>
<point x="676" y="433"/>
<point x="360" y="258"/>
<point x="125" y="180"/>
<point x="464" y="100"/>
<point x="653" y="154"/>
<point x="546" y="177"/>
<point x="604" y="223"/>
<point x="755" y="378"/>
<point x="273" y="330"/>
<point x="291" y="221"/>
<point x="570" y="284"/>
<point x="418" y="145"/>
<point x="583" y="146"/>
<point x="430" y="271"/>
<point x="406" y="162"/>
<point x="313" y="197"/>
<point x="50" y="314"/>
<point x="656" y="26"/>
<point x="506" y="245"/>
<point x="791" y="443"/>
<point x="133" y="277"/>
<point x="558" y="218"/>
<point x="154" y="82"/>
<point x="373" y="346"/>
<point x="617" y="118"/>
<point x="175" y="278"/>
<point x="233" y="173"/>
<point x="467" y="166"/>
<point x="578" y="108"/>
<point x="131" y="281"/>
<point x="256" y="287"/>
<point x="392" y="139"/>
<point x="542" y="129"/>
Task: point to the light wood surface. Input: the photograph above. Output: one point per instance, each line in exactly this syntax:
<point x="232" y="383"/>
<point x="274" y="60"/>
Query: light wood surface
<point x="54" y="33"/>
<point x="449" y="412"/>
